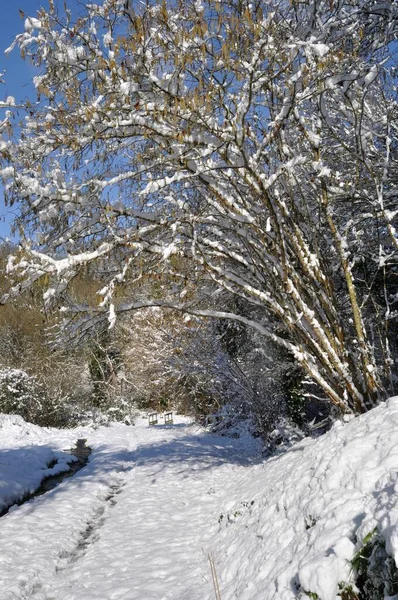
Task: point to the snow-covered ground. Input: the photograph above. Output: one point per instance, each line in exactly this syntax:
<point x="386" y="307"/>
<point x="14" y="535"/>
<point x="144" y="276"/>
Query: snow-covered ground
<point x="140" y="520"/>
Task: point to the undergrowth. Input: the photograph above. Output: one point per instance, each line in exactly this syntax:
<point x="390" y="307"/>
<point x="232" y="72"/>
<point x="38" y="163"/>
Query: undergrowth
<point x="374" y="572"/>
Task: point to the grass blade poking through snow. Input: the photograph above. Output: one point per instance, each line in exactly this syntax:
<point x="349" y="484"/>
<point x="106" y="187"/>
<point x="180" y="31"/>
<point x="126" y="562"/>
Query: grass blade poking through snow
<point x="214" y="576"/>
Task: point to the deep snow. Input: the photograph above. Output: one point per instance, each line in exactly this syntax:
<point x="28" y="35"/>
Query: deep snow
<point x="139" y="522"/>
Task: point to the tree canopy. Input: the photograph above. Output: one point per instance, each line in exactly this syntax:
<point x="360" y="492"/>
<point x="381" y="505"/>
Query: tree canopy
<point x="239" y="147"/>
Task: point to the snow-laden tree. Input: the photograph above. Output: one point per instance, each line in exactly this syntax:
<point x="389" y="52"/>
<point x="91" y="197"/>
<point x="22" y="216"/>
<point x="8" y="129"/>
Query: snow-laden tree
<point x="240" y="146"/>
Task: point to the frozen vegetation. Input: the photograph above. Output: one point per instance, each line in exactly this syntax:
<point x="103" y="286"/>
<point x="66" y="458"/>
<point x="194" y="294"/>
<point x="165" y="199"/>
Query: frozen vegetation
<point x="183" y="154"/>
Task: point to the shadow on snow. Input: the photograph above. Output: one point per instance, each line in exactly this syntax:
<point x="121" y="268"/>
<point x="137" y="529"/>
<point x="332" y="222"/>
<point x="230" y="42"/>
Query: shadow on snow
<point x="184" y="456"/>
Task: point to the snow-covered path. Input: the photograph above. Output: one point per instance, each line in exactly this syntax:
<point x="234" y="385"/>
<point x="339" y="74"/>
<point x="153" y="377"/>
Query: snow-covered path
<point x="138" y="522"/>
<point x="135" y="524"/>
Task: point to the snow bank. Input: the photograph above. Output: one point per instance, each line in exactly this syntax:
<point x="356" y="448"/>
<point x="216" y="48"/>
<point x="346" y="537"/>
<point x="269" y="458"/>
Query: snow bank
<point x="297" y="520"/>
<point x="24" y="459"/>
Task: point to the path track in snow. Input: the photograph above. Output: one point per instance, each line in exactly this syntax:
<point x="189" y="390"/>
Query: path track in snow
<point x="134" y="525"/>
<point x="91" y="533"/>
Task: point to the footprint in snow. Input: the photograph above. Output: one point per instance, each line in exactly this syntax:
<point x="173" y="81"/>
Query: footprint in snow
<point x="92" y="532"/>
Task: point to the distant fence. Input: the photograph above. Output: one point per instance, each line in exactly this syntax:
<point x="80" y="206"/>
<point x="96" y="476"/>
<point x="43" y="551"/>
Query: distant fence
<point x="153" y="418"/>
<point x="168" y="418"/>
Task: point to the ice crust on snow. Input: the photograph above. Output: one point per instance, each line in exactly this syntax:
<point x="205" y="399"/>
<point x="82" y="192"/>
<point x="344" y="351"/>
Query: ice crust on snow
<point x="140" y="519"/>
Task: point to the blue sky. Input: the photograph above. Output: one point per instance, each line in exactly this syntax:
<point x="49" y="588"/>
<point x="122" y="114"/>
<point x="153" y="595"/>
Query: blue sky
<point x="18" y="74"/>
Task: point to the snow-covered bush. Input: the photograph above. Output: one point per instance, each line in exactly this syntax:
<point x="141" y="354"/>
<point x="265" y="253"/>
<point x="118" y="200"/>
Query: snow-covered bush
<point x="283" y="436"/>
<point x="119" y="408"/>
<point x="21" y="394"/>
<point x="232" y="421"/>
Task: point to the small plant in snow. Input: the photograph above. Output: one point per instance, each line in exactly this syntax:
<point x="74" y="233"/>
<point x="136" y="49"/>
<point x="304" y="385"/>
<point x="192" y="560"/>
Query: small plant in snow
<point x="376" y="574"/>
<point x="347" y="592"/>
<point x="231" y="517"/>
<point x="310" y="521"/>
<point x="231" y="421"/>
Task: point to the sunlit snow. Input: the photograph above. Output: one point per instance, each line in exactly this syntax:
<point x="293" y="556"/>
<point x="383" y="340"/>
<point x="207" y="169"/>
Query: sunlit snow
<point x="140" y="521"/>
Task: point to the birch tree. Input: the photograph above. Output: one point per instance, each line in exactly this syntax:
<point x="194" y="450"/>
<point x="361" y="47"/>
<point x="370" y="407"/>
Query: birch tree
<point x="240" y="146"/>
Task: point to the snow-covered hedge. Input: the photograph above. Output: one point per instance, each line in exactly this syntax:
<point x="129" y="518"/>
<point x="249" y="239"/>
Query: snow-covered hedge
<point x="23" y="394"/>
<point x="20" y="394"/>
